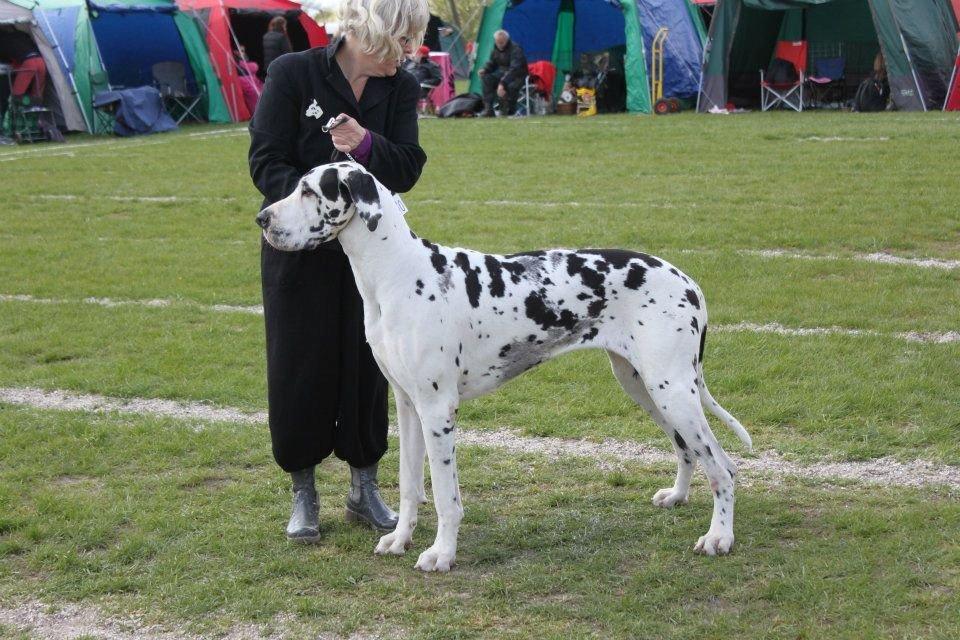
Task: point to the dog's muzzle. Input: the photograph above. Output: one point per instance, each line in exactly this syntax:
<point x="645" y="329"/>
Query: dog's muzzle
<point x="263" y="218"/>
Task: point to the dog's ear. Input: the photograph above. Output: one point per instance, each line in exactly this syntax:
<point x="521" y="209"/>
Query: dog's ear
<point x="364" y="193"/>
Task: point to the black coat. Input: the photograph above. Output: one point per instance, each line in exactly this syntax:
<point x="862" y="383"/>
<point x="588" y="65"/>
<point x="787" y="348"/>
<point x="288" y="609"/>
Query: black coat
<point x="285" y="143"/>
<point x="511" y="62"/>
<point x="275" y="44"/>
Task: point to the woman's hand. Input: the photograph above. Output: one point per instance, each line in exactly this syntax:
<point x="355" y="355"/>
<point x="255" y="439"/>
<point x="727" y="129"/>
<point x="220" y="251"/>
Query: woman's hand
<point x="348" y="135"/>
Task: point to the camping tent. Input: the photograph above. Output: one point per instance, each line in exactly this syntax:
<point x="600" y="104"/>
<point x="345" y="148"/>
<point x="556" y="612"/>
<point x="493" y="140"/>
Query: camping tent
<point x="106" y="46"/>
<point x="229" y="23"/>
<point x="562" y="30"/>
<point x="952" y="102"/>
<point x="60" y="94"/>
<point x="917" y="39"/>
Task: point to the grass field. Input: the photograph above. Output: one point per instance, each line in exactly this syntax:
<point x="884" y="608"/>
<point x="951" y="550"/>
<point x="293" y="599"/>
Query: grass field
<point x="771" y="213"/>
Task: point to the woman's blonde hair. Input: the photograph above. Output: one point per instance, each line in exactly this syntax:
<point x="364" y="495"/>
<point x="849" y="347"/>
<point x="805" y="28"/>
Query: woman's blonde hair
<point x="378" y="25"/>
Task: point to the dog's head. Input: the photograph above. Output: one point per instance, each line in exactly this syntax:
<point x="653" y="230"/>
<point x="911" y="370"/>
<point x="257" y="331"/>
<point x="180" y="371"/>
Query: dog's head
<point x="321" y="206"/>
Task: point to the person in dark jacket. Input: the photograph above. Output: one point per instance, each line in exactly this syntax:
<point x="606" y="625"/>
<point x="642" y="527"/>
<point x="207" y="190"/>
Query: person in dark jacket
<point x="275" y="41"/>
<point x="503" y="75"/>
<point x="325" y="392"/>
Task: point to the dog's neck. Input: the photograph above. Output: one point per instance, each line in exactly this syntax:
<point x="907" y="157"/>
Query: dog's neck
<point x="377" y="255"/>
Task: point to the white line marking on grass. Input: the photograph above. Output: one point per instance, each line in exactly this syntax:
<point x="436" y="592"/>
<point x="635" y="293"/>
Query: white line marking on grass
<point x="779" y="329"/>
<point x="883" y="471"/>
<point x="548" y="204"/>
<point x="69" y="148"/>
<point x="882" y="258"/>
<point x="843" y="139"/>
<point x="70" y="621"/>
<point x="741" y="327"/>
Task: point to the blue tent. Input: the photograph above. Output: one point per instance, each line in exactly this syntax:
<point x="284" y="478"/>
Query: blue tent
<point x="561" y="30"/>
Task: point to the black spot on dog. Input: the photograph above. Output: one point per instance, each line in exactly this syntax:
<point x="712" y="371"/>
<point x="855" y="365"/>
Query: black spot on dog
<point x="531" y="254"/>
<point x="703" y="343"/>
<point x="590" y="335"/>
<point x="432" y="297"/>
<point x="692" y="298"/>
<point x="680" y="441"/>
<point x="709" y="452"/>
<point x="437" y="259"/>
<point x="435" y="387"/>
<point x="446" y="461"/>
<point x="583" y="296"/>
<point x="636" y="277"/>
<point x="539" y="312"/>
<point x="496" y="278"/>
<point x="419" y="287"/>
<point x="472" y="281"/>
<point x="413" y="235"/>
<point x="436" y="434"/>
<point x="515" y="269"/>
<point x="694" y="324"/>
<point x="617" y="258"/>
<point x="456" y="360"/>
<point x="330" y="184"/>
<point x="504" y="350"/>
<point x="595" y="307"/>
<point x="448" y="430"/>
<point x="650" y="260"/>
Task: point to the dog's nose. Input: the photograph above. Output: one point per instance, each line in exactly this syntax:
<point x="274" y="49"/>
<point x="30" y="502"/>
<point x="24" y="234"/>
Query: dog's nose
<point x="263" y="218"/>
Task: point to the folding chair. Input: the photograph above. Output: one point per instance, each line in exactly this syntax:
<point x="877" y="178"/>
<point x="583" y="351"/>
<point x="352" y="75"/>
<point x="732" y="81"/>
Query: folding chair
<point x="537" y="93"/>
<point x="788" y="93"/>
<point x="170" y="79"/>
<point x="828" y="83"/>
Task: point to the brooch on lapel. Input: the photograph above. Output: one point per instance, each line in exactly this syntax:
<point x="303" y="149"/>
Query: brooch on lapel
<point x="314" y="110"/>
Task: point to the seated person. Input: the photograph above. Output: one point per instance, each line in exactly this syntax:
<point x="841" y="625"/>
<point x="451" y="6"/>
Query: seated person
<point x="503" y="75"/>
<point x="30" y="72"/>
<point x="427" y="73"/>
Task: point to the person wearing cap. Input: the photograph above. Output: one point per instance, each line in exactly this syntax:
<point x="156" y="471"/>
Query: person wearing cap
<point x="325" y="393"/>
<point x="427" y="72"/>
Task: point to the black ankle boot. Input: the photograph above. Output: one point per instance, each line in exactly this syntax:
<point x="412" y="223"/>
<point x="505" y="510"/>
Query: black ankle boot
<point x="304" y="525"/>
<point x="364" y="503"/>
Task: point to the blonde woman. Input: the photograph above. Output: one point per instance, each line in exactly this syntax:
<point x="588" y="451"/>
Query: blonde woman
<point x="326" y="394"/>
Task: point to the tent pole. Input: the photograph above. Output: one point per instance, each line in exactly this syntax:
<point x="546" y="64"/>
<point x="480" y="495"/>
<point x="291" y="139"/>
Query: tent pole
<point x="236" y="42"/>
<point x="953" y="80"/>
<point x="66" y="65"/>
<point x="913" y="71"/>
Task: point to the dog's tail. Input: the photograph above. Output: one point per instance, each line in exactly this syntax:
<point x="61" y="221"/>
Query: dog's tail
<point x="713" y="406"/>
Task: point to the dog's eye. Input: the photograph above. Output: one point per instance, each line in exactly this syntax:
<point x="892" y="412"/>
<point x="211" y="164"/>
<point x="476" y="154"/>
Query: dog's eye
<point x="305" y="190"/>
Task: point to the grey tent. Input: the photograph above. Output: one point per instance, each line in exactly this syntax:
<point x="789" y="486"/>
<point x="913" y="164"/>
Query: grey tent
<point x="60" y="94"/>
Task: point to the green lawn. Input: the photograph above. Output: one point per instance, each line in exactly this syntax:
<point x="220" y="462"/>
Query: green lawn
<point x="187" y="526"/>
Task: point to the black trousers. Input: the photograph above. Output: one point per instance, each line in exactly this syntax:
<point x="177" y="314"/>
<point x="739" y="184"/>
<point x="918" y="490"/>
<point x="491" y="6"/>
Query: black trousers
<point x="490" y="82"/>
<point x="326" y="393"/>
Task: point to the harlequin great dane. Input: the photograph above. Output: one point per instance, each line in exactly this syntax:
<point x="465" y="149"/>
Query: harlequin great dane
<point x="450" y="324"/>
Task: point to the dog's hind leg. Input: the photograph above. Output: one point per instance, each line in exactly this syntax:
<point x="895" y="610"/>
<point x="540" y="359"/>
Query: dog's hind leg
<point x="633" y="384"/>
<point x="687" y="426"/>
<point x="412" y="451"/>
<point x="439" y="426"/>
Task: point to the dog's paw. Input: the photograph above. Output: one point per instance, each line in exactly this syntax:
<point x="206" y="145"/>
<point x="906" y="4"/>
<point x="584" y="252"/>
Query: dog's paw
<point x="714" y="544"/>
<point x="434" y="559"/>
<point x="394" y="544"/>
<point x="669" y="498"/>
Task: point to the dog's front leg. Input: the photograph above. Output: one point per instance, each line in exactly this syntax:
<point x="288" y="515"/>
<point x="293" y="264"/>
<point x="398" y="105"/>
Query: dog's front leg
<point x="411" y="477"/>
<point x="438" y="432"/>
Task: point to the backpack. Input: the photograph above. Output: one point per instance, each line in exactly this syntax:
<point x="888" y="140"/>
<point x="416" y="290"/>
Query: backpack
<point x="872" y="95"/>
<point x="783" y="72"/>
<point x="464" y="105"/>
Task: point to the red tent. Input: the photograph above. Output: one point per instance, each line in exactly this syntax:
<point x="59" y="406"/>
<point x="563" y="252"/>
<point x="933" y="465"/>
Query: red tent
<point x="230" y="23"/>
<point x="953" y="93"/>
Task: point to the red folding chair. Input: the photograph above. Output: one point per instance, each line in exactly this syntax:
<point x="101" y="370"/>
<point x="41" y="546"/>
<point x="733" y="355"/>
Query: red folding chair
<point x="775" y="92"/>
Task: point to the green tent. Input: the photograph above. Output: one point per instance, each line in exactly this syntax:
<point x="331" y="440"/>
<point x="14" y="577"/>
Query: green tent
<point x="101" y="46"/>
<point x="569" y="27"/>
<point x="917" y="38"/>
